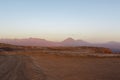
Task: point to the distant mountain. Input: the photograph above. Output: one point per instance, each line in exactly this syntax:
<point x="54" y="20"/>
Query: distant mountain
<point x="115" y="46"/>
<point x="72" y="42"/>
<point x="69" y="40"/>
<point x="29" y="42"/>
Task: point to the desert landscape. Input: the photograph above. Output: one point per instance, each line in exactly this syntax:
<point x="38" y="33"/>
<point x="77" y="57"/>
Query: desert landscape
<point x="59" y="39"/>
<point x="58" y="63"/>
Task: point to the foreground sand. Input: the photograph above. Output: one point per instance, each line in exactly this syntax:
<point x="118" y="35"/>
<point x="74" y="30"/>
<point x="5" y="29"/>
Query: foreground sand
<point x="79" y="68"/>
<point x="52" y="67"/>
<point x="19" y="67"/>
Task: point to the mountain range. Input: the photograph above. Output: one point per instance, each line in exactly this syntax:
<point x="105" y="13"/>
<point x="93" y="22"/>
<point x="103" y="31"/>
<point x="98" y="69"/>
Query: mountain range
<point x="114" y="46"/>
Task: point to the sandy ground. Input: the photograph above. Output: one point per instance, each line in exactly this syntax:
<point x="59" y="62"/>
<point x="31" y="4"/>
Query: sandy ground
<point x="52" y="67"/>
<point x="79" y="68"/>
<point x="19" y="67"/>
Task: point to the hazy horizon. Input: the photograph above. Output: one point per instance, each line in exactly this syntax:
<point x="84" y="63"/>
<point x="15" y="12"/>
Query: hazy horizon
<point x="89" y="20"/>
<point x="28" y="38"/>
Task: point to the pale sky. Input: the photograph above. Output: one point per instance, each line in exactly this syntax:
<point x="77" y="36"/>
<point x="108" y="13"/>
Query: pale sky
<point x="55" y="20"/>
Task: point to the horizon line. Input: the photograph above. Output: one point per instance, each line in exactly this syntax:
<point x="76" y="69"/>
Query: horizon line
<point x="59" y="41"/>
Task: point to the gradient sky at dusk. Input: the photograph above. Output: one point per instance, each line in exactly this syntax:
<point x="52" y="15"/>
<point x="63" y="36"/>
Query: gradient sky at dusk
<point x="90" y="20"/>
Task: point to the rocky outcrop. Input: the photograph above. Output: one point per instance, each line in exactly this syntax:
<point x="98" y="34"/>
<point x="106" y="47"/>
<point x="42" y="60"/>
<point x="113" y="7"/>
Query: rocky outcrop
<point x="9" y="47"/>
<point x="98" y="49"/>
<point x="83" y="49"/>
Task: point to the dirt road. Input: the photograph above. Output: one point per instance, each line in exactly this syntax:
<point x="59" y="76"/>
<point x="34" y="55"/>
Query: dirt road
<point x="19" y="67"/>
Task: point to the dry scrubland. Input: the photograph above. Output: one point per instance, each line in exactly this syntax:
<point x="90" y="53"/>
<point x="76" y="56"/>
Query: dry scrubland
<point x="58" y="63"/>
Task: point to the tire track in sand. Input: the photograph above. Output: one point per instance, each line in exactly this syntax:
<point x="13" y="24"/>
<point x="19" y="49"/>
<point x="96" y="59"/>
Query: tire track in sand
<point x="19" y="67"/>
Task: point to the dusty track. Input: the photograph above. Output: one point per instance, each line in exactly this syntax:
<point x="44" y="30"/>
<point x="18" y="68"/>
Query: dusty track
<point x="19" y="67"/>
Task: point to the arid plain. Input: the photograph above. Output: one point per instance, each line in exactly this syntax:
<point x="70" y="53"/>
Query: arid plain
<point x="58" y="63"/>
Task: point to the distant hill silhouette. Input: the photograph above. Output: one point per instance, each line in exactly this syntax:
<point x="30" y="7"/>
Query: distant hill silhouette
<point x="115" y="46"/>
<point x="72" y="42"/>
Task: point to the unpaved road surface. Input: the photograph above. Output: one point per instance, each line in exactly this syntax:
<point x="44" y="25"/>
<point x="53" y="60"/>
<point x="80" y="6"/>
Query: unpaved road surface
<point x="79" y="68"/>
<point x="19" y="67"/>
<point x="52" y="67"/>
